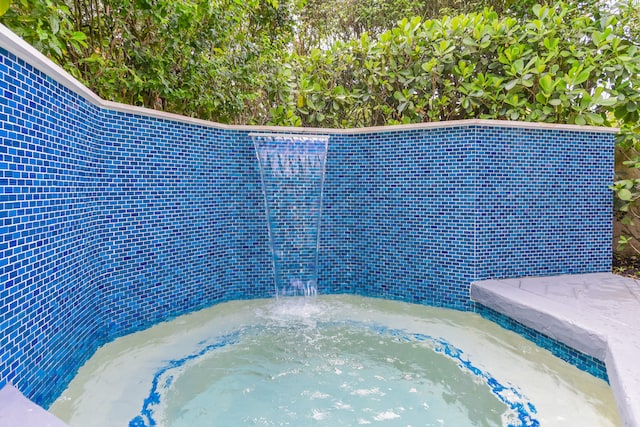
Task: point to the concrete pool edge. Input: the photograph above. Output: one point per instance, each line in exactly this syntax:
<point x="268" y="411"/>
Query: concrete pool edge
<point x="572" y="313"/>
<point x="18" y="410"/>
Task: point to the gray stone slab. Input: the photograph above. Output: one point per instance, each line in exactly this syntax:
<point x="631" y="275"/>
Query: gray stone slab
<point x="18" y="411"/>
<point x="597" y="314"/>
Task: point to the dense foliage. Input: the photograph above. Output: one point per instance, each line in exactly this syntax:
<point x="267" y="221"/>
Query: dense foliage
<point x="207" y="58"/>
<point x="347" y="63"/>
<point x="322" y="22"/>
<point x="335" y="62"/>
<point x="478" y="65"/>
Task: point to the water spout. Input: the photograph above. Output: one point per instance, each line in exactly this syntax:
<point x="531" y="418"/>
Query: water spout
<point x="292" y="168"/>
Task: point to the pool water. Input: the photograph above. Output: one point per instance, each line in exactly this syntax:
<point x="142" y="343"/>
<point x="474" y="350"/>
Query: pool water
<point x="331" y="361"/>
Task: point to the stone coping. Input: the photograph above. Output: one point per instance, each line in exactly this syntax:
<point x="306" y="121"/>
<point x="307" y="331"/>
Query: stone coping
<point x="594" y="313"/>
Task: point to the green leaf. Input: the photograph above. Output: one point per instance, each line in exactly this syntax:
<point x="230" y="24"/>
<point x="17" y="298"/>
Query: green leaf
<point x="596" y="119"/>
<point x="606" y="102"/>
<point x="627" y="220"/>
<point x="546" y="84"/>
<point x="624" y="194"/>
<point x="468" y="41"/>
<point x="4" y="6"/>
<point x="511" y="84"/>
<point x="582" y="77"/>
<point x="77" y="35"/>
<point x="537" y="10"/>
<point x="54" y="22"/>
<point x="623" y="242"/>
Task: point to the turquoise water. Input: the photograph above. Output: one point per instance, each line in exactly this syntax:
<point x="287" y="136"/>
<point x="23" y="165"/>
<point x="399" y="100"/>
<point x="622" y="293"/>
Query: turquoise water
<point x="338" y="374"/>
<point x="331" y="361"/>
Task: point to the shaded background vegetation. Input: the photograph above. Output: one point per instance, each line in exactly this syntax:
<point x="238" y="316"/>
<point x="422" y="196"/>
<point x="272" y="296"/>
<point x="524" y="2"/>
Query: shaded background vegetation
<point x="349" y="63"/>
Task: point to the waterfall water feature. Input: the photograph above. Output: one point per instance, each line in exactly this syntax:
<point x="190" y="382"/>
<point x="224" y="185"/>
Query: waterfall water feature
<point x="292" y="168"/>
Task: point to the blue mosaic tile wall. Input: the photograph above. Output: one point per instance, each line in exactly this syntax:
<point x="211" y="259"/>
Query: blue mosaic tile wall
<point x="166" y="209"/>
<point x="577" y="358"/>
<point x="542" y="202"/>
<point x="416" y="240"/>
<point x="50" y="298"/>
<point x="340" y="260"/>
<point x="111" y="222"/>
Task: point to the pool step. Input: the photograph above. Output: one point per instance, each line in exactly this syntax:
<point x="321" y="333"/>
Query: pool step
<point x="596" y="314"/>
